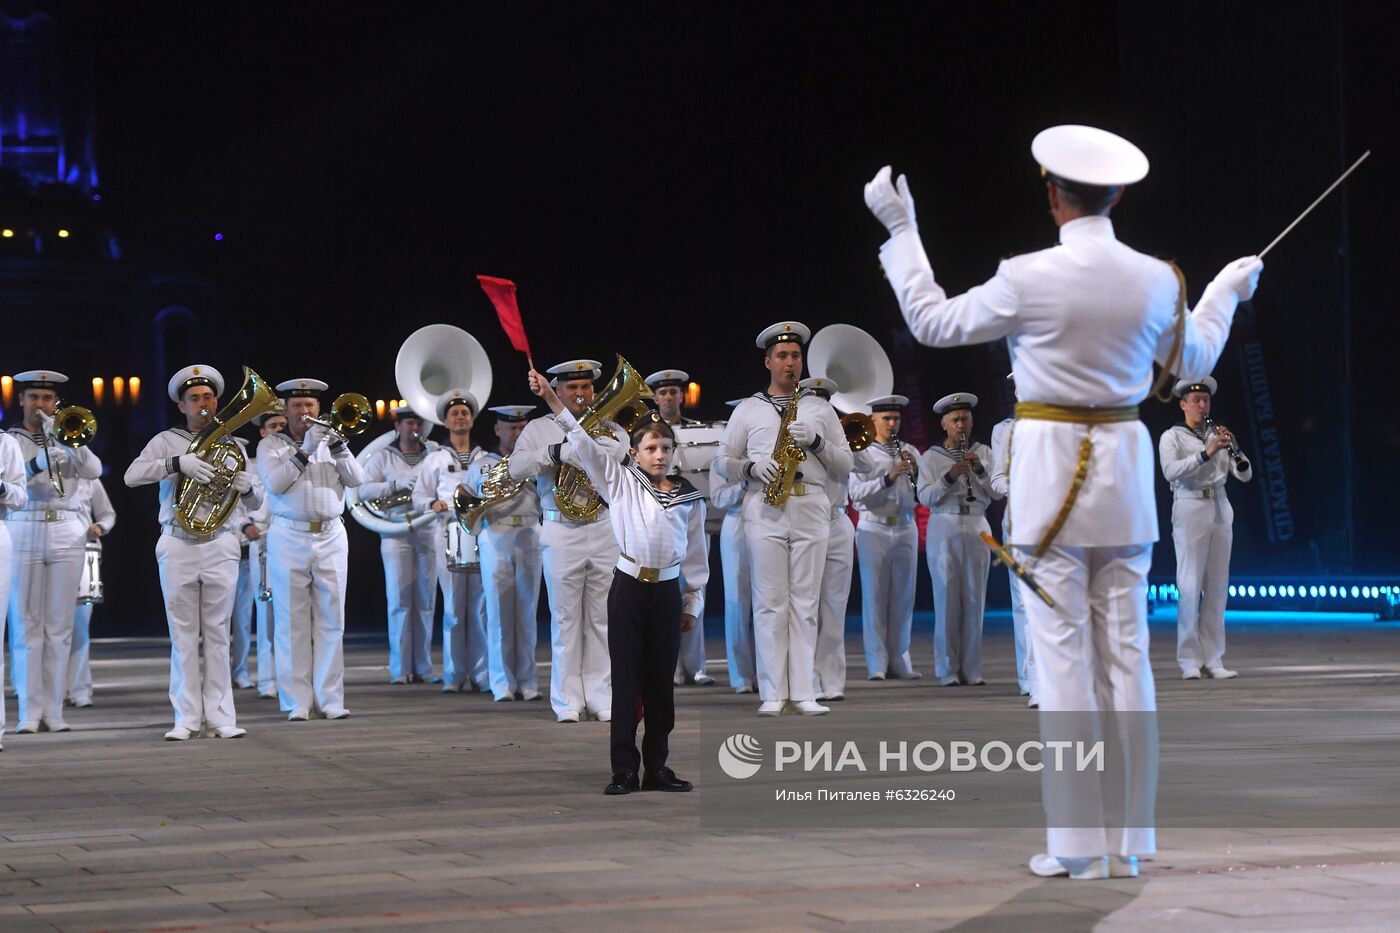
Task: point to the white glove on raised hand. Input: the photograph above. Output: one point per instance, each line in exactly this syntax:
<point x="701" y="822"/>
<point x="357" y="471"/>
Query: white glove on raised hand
<point x="764" y="469"/>
<point x="802" y="435"/>
<point x="892" y="204"/>
<point x="1241" y="276"/>
<point x="47" y="421"/>
<point x="567" y="454"/>
<point x="242" y="481"/>
<point x="315" y="435"/>
<point x="195" y="468"/>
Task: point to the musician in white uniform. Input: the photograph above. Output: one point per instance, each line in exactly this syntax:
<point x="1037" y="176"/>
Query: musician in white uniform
<point x="198" y="572"/>
<point x="14" y="494"/>
<point x="579" y="556"/>
<point x="48" y="535"/>
<point x="1084" y="321"/>
<point x="101" y="518"/>
<point x="668" y="387"/>
<point x="837" y="569"/>
<point x="786" y="543"/>
<point x="955" y="485"/>
<point x="1197" y="458"/>
<point x="410" y="559"/>
<point x="887" y="541"/>
<point x="269" y="423"/>
<point x="510" y="565"/>
<point x="727" y="495"/>
<point x="464" y="648"/>
<point x="305" y="472"/>
<point x="1001" y="488"/>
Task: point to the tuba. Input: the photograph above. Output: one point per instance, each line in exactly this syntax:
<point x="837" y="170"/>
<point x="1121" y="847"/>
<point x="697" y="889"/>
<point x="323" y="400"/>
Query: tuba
<point x="203" y="508"/>
<point x="73" y="426"/>
<point x="619" y="401"/>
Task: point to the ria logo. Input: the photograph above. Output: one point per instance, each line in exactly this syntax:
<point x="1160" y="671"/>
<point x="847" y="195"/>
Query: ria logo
<point x="740" y="756"/>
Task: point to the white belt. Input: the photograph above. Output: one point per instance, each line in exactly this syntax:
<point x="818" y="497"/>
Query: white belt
<point x="1210" y="492"/>
<point x="315" y="527"/>
<point x="41" y="515"/>
<point x="179" y="531"/>
<point x="893" y="521"/>
<point x="510" y="521"/>
<point x="964" y="508"/>
<point x="647" y="574"/>
<point x="553" y="515"/>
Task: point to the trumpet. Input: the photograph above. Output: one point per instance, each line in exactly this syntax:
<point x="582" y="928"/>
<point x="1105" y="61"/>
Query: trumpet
<point x="74" y="427"/>
<point x="350" y="414"/>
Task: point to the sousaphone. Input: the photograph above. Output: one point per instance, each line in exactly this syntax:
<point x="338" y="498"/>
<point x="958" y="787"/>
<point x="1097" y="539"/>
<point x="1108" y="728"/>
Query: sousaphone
<point x="857" y="363"/>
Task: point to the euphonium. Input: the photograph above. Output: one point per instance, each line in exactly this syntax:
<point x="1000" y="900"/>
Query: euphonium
<point x="350" y="415"/>
<point x="787" y="454"/>
<point x="73" y="426"/>
<point x="496" y="488"/>
<point x="202" y="508"/>
<point x="619" y="401"/>
<point x="860" y="430"/>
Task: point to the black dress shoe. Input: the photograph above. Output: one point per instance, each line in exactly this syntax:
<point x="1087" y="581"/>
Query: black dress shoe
<point x="665" y="779"/>
<point x="622" y="784"/>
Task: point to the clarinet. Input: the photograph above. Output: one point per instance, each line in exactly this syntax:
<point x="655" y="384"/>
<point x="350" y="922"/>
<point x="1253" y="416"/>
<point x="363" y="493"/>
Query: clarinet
<point x="1238" y="459"/>
<point x="962" y="449"/>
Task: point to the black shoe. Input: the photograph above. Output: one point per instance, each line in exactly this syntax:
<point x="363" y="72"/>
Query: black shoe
<point x="622" y="784"/>
<point x="665" y="779"/>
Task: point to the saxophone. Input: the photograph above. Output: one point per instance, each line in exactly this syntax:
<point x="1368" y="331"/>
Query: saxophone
<point x="202" y="509"/>
<point x="787" y="455"/>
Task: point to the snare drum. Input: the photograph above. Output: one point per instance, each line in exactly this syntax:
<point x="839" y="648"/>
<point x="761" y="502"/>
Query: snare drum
<point x="462" y="554"/>
<point x="696" y="448"/>
<point x="90" y="586"/>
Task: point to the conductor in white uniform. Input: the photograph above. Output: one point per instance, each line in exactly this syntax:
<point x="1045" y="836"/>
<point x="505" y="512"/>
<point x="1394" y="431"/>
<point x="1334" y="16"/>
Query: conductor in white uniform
<point x="1084" y="321"/>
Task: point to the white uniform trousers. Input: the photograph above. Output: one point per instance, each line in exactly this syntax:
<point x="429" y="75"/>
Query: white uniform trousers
<point x="47" y="565"/>
<point x="409" y="590"/>
<point x="1203" y="532"/>
<point x="959" y="562"/>
<point x="738" y="601"/>
<point x="241" y="628"/>
<point x="198" y="579"/>
<point x="6" y="572"/>
<point x="578" y="565"/>
<point x="690" y="663"/>
<point x="510" y="574"/>
<point x="889" y="562"/>
<point x="308" y="573"/>
<point x="837" y="570"/>
<point x="79" y="661"/>
<point x="463" y="626"/>
<point x="787" y="549"/>
<point x="1025" y="656"/>
<point x="1091" y="654"/>
<point x="267" y="669"/>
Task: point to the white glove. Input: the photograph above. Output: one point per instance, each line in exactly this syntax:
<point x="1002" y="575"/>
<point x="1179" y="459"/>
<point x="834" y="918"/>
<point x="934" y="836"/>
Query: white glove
<point x="47" y="421"/>
<point x="405" y="485"/>
<point x="567" y="455"/>
<point x="892" y="204"/>
<point x="1241" y="276"/>
<point x="802" y="435"/>
<point x="41" y="462"/>
<point x="195" y="468"/>
<point x="764" y="469"/>
<point x="242" y="481"/>
<point x="315" y="434"/>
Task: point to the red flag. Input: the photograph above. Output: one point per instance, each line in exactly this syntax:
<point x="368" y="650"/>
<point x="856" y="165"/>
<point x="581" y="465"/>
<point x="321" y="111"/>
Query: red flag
<point x="502" y="295"/>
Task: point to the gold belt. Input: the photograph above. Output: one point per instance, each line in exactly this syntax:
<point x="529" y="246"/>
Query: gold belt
<point x="1068" y="414"/>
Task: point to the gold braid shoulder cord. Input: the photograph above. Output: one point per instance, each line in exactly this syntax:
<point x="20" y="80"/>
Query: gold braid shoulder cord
<point x="1092" y="416"/>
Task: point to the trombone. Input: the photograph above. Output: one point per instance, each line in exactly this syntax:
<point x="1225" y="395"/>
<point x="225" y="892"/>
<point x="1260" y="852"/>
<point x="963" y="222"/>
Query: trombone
<point x="73" y="427"/>
<point x="349" y="415"/>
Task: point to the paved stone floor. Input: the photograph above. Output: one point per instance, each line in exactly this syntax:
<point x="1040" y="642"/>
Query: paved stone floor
<point x="426" y="811"/>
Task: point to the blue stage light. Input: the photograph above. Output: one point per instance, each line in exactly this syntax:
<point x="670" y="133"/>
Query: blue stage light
<point x="1232" y="589"/>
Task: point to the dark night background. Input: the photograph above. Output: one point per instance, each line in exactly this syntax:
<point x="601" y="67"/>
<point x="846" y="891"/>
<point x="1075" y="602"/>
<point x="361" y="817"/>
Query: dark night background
<point x="665" y="182"/>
